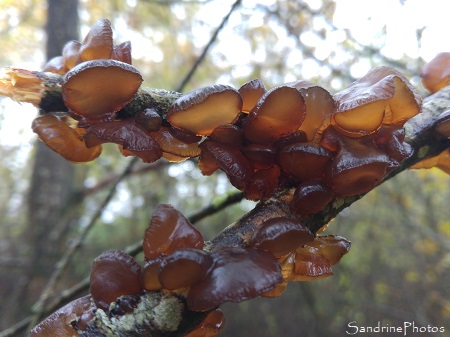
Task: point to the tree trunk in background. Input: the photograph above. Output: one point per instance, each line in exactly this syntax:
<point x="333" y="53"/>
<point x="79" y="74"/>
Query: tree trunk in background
<point x="52" y="183"/>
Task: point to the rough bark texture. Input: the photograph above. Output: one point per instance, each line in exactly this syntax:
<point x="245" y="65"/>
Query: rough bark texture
<point x="419" y="134"/>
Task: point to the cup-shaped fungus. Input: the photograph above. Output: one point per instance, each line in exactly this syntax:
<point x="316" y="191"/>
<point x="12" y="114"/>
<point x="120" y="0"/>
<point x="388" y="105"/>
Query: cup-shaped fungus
<point x="122" y="52"/>
<point x="435" y="75"/>
<point x="238" y="274"/>
<point x="229" y="159"/>
<point x="261" y="156"/>
<point x="332" y="247"/>
<point x="63" y="139"/>
<point x="319" y="105"/>
<point x="263" y="183"/>
<point x="279" y="112"/>
<point x="202" y="110"/>
<point x="382" y="96"/>
<point x="442" y="127"/>
<point x="251" y="92"/>
<point x="356" y="168"/>
<point x="98" y="43"/>
<point x="62" y="322"/>
<point x="304" y="161"/>
<point x="149" y="119"/>
<point x="168" y="232"/>
<point x="150" y="279"/>
<point x="99" y="88"/>
<point x="311" y="196"/>
<point x="307" y="264"/>
<point x="55" y="65"/>
<point x="210" y="326"/>
<point x="113" y="274"/>
<point x="441" y="161"/>
<point x="184" y="268"/>
<point x="227" y="134"/>
<point x="71" y="54"/>
<point x="127" y="133"/>
<point x="169" y="143"/>
<point x="280" y="235"/>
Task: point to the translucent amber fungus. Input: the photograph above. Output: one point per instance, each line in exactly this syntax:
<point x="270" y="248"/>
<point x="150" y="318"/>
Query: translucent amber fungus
<point x="280" y="236"/>
<point x="211" y="326"/>
<point x="435" y="75"/>
<point x="128" y="134"/>
<point x="304" y="161"/>
<point x="168" y="232"/>
<point x="65" y="140"/>
<point x="279" y="112"/>
<point x="202" y="110"/>
<point x="184" y="268"/>
<point x="311" y="196"/>
<point x="98" y="43"/>
<point x="319" y="106"/>
<point x="382" y="96"/>
<point x="61" y="323"/>
<point x="97" y="88"/>
<point x="251" y="92"/>
<point x="114" y="273"/>
<point x="238" y="274"/>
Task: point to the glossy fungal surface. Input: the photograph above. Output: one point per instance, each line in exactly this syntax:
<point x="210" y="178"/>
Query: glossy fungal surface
<point x="63" y="321"/>
<point x="211" y="326"/>
<point x="114" y="274"/>
<point x="280" y="236"/>
<point x="169" y="231"/>
<point x="202" y="110"/>
<point x="65" y="140"/>
<point x="311" y="196"/>
<point x="128" y="134"/>
<point x="251" y="92"/>
<point x="97" y="88"/>
<point x="435" y="75"/>
<point x="184" y="268"/>
<point x="381" y="96"/>
<point x="238" y="274"/>
<point x="280" y="111"/>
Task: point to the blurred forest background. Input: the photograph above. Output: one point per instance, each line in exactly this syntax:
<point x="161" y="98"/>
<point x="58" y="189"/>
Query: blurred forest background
<point x="398" y="268"/>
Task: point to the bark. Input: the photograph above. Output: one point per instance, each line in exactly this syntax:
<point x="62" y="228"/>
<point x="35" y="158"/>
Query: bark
<point x="419" y="134"/>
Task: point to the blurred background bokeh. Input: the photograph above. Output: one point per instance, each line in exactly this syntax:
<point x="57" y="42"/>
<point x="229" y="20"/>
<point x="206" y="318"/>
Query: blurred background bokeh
<point x="398" y="268"/>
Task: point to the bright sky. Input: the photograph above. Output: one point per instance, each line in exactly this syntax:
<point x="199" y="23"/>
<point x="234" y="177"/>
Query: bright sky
<point x="364" y="19"/>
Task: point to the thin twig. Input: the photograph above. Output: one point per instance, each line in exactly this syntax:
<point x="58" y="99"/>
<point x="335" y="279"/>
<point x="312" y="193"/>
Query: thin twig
<point x="200" y="59"/>
<point x="133" y="250"/>
<point x="40" y="305"/>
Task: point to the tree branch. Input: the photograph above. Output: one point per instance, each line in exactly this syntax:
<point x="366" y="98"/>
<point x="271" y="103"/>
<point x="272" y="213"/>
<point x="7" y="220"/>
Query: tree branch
<point x="419" y="135"/>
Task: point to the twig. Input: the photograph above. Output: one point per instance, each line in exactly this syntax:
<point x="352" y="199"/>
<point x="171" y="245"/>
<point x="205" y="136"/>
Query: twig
<point x="202" y="56"/>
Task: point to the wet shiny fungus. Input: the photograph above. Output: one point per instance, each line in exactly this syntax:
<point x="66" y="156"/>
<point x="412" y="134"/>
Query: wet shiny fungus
<point x="435" y="75"/>
<point x="97" y="88"/>
<point x="280" y="236"/>
<point x="113" y="274"/>
<point x="128" y="134"/>
<point x="238" y="274"/>
<point x="65" y="140"/>
<point x="61" y="322"/>
<point x="169" y="231"/>
<point x="211" y="326"/>
<point x="202" y="110"/>
<point x="279" y="112"/>
<point x="184" y="268"/>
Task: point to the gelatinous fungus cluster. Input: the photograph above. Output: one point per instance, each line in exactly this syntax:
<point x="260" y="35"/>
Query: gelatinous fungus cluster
<point x="296" y="136"/>
<point x="435" y="75"/>
<point x="280" y="250"/>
